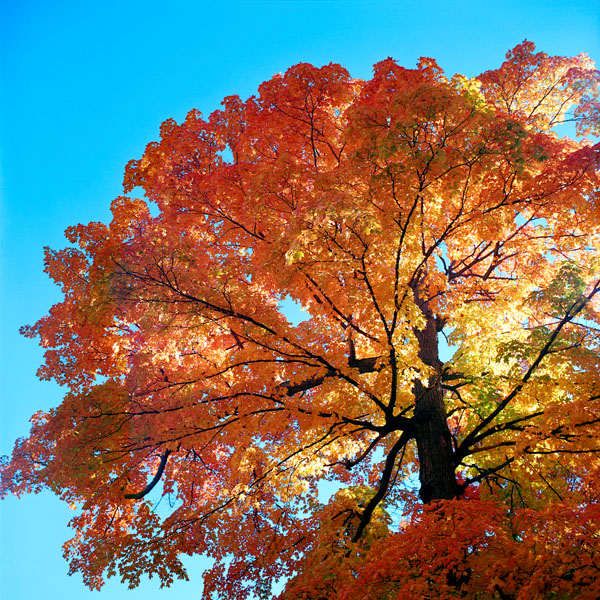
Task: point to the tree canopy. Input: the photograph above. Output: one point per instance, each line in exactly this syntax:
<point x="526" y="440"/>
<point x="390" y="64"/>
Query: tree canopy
<point x="397" y="211"/>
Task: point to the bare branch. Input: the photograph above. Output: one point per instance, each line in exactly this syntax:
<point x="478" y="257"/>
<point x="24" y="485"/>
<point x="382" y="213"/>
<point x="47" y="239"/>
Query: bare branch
<point x="152" y="484"/>
<point x="383" y="484"/>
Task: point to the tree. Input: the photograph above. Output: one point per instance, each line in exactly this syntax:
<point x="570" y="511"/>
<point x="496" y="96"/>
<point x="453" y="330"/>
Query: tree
<point x="396" y="211"/>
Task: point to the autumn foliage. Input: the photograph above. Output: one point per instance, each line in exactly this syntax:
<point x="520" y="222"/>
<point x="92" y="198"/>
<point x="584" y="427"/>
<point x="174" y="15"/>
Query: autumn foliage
<point x="346" y="455"/>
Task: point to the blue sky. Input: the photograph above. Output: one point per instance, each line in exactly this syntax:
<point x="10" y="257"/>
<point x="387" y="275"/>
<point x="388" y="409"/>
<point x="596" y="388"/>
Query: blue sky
<point x="84" y="87"/>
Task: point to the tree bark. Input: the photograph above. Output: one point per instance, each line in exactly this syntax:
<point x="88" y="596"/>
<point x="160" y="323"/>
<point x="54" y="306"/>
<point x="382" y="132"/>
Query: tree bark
<point x="434" y="442"/>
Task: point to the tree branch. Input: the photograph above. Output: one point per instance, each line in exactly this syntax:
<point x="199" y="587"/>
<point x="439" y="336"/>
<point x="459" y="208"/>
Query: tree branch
<point x="383" y="484"/>
<point x="364" y="365"/>
<point x="150" y="486"/>
<point x="571" y="313"/>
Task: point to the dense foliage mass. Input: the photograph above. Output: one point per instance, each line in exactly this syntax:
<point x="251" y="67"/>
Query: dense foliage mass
<point x="397" y="211"/>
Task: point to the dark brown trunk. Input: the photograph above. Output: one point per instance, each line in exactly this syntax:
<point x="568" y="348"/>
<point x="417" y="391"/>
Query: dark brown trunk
<point x="434" y="443"/>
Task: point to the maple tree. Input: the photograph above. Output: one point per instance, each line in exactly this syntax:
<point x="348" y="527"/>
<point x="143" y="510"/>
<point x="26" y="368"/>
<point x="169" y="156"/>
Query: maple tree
<point x="396" y="211"/>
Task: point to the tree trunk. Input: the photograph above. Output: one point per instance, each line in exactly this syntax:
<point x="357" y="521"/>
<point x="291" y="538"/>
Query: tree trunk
<point x="434" y="443"/>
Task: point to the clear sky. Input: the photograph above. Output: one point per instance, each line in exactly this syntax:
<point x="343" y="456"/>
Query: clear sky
<point x="84" y="87"/>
